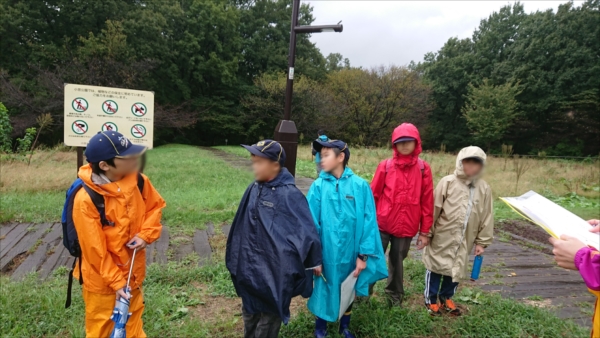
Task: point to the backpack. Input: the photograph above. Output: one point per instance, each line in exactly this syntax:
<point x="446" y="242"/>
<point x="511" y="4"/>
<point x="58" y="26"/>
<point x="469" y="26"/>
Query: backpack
<point x="70" y="238"/>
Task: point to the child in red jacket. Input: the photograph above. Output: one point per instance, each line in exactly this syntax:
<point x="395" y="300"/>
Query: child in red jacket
<point x="403" y="191"/>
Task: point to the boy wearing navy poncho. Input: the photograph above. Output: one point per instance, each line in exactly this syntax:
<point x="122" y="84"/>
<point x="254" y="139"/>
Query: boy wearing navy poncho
<point x="344" y="211"/>
<point x="272" y="244"/>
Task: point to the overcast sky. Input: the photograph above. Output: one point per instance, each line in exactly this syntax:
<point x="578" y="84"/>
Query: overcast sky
<point x="396" y="32"/>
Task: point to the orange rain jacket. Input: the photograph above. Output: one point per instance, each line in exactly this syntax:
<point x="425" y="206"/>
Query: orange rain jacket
<point x="105" y="258"/>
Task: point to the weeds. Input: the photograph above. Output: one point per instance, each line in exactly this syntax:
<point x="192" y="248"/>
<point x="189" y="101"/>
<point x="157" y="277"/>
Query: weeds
<point x="521" y="166"/>
<point x="536" y="298"/>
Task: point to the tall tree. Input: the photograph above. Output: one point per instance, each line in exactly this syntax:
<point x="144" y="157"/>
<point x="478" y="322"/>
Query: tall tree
<point x="490" y="110"/>
<point x="377" y="100"/>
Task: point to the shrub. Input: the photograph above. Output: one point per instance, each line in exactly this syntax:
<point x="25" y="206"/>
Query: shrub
<point x="5" y="130"/>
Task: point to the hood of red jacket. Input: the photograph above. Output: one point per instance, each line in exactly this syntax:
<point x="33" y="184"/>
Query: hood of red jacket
<point x="404" y="130"/>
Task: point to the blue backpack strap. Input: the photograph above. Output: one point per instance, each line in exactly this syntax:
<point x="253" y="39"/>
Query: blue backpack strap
<point x="98" y="201"/>
<point x="140" y="183"/>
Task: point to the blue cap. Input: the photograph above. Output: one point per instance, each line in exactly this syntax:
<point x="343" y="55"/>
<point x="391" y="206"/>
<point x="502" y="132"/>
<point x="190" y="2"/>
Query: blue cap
<point x="339" y="144"/>
<point x="404" y="139"/>
<point x="110" y="144"/>
<point x="268" y="149"/>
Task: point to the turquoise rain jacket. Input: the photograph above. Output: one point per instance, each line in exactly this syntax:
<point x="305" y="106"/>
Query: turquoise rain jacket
<point x="344" y="213"/>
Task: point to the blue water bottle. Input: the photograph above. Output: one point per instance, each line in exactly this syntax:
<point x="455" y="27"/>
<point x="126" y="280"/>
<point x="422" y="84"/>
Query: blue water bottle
<point x="476" y="267"/>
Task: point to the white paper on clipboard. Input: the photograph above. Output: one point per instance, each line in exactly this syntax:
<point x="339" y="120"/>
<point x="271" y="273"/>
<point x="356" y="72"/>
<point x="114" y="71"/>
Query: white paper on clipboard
<point x="347" y="294"/>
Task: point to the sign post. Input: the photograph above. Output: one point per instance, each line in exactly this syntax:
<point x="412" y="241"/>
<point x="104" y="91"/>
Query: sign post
<point x="285" y="131"/>
<point x="91" y="109"/>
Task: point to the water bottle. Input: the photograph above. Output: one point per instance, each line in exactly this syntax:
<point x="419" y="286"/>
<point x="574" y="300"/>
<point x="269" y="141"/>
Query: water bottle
<point x="476" y="267"/>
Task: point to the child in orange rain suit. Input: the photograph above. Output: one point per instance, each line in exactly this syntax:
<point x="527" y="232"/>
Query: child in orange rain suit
<point x="134" y="218"/>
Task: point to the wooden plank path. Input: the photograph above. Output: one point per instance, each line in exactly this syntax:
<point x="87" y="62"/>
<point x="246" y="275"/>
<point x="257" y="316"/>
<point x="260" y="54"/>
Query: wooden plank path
<point x="27" y="248"/>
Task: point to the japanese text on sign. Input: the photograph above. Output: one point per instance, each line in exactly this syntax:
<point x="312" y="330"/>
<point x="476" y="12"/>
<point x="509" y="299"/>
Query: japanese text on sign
<point x="90" y="109"/>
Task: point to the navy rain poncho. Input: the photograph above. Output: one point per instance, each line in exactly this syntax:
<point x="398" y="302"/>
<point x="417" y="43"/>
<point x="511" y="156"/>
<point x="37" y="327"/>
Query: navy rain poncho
<point x="272" y="241"/>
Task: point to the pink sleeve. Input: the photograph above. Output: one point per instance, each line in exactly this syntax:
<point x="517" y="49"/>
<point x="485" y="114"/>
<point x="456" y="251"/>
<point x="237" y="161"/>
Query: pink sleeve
<point x="587" y="262"/>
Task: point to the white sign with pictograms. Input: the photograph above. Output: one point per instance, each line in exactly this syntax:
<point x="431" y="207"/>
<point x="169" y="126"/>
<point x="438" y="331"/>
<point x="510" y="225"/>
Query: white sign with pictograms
<point x="91" y="109"/>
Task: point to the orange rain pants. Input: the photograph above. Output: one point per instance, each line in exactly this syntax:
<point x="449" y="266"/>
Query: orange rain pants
<point x="99" y="308"/>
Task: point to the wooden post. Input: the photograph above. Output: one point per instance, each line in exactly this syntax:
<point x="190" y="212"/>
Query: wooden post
<point x="79" y="158"/>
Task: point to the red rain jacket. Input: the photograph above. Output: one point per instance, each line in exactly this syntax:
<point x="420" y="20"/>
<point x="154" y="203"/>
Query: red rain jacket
<point x="403" y="192"/>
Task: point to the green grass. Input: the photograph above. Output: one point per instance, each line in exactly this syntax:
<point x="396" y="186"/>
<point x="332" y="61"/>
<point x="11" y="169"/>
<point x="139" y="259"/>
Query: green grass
<point x="33" y="207"/>
<point x="175" y="294"/>
<point x="198" y="187"/>
<point x="494" y="317"/>
<point x="171" y="293"/>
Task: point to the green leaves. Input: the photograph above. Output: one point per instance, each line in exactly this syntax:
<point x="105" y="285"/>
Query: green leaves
<point x="490" y="110"/>
<point x="553" y="57"/>
<point x="5" y="130"/>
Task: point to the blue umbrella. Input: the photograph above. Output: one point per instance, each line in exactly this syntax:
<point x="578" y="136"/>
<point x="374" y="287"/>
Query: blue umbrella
<point x="121" y="312"/>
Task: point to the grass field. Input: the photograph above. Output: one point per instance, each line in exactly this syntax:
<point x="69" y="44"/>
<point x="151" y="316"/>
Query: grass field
<point x="197" y="187"/>
<point x="185" y="300"/>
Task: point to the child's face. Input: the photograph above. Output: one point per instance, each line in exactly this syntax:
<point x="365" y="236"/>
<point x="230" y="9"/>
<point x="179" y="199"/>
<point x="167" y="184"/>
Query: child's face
<point x="264" y="169"/>
<point x="330" y="161"/>
<point x="471" y="167"/>
<point x="122" y="168"/>
<point x="406" y="147"/>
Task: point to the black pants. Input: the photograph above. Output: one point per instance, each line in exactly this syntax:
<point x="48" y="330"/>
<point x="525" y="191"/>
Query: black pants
<point x="433" y="290"/>
<point x="399" y="247"/>
<point x="261" y="325"/>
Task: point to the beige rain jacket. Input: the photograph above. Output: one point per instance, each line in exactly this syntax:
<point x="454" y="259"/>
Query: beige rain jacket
<point x="463" y="215"/>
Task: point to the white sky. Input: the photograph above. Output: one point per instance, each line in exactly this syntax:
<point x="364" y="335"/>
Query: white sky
<point x="396" y="32"/>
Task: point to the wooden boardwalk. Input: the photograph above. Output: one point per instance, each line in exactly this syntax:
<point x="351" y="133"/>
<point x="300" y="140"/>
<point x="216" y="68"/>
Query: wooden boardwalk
<point x="26" y="248"/>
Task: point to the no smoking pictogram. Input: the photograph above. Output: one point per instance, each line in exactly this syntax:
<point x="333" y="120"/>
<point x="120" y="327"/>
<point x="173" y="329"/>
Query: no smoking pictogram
<point x="79" y="127"/>
<point x="138" y="131"/>
<point x="139" y="109"/>
<point x="110" y="107"/>
<point x="80" y="104"/>
<point x="109" y="126"/>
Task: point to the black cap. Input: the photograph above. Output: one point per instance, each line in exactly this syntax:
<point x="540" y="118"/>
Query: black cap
<point x="338" y="144"/>
<point x="110" y="144"/>
<point x="268" y="149"/>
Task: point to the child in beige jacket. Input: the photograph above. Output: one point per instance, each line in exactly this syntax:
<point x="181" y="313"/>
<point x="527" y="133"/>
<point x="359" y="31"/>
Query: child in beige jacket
<point x="463" y="217"/>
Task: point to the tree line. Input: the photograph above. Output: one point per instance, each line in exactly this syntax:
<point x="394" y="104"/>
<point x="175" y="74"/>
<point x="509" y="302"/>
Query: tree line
<point x="216" y="67"/>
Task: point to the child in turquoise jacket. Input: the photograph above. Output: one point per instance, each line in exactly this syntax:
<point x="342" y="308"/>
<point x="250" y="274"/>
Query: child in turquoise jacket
<point x="343" y="208"/>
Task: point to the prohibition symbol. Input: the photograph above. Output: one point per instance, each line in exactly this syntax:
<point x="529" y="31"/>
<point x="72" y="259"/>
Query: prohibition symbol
<point x="109" y="126"/>
<point x="138" y="131"/>
<point x="79" y="127"/>
<point x="110" y="107"/>
<point x="139" y="109"/>
<point x="80" y="104"/>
